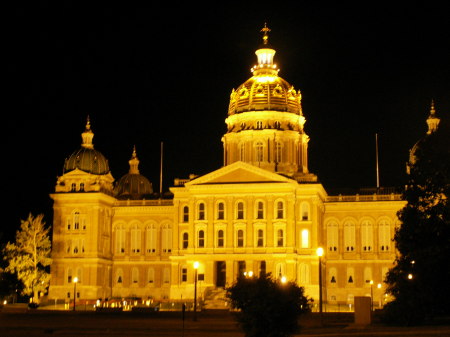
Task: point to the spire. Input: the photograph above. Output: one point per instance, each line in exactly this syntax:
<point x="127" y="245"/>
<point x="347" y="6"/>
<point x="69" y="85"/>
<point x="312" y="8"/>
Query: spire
<point x="265" y="30"/>
<point x="432" y="120"/>
<point x="87" y="136"/>
<point x="134" y="162"/>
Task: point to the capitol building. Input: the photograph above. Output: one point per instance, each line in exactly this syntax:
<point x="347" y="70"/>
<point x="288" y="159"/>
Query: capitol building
<point x="263" y="211"/>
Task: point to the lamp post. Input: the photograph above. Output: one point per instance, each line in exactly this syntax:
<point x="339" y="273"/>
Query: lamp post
<point x="371" y="295"/>
<point x="195" y="289"/>
<point x="319" y="254"/>
<point x="75" y="280"/>
<point x="379" y="289"/>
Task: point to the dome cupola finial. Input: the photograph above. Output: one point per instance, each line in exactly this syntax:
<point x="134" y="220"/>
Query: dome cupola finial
<point x="265" y="55"/>
<point x="134" y="162"/>
<point x="432" y="120"/>
<point x="265" y="30"/>
<point x="87" y="136"/>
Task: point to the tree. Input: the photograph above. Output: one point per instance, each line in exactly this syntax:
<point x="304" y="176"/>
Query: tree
<point x="420" y="280"/>
<point x="29" y="257"/>
<point x="266" y="307"/>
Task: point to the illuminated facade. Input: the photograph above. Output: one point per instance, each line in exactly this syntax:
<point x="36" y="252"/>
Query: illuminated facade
<point x="263" y="211"/>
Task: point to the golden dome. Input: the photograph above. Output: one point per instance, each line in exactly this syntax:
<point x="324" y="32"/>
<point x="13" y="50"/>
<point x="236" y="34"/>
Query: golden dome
<point x="265" y="90"/>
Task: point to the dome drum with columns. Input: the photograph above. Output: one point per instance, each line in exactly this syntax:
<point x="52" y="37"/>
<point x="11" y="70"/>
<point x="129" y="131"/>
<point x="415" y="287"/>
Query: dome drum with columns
<point x="265" y="121"/>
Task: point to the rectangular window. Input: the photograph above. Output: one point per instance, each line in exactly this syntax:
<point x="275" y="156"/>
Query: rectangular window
<point x="183" y="274"/>
<point x="220" y="211"/>
<point x="201" y="211"/>
<point x="185" y="214"/>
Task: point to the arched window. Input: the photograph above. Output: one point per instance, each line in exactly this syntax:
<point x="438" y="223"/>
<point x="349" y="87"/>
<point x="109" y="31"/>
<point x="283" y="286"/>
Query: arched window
<point x="220" y="211"/>
<point x="332" y="275"/>
<point x="166" y="239"/>
<point x="201" y="211"/>
<point x="280" y="238"/>
<point x="278" y="152"/>
<point x="384" y="236"/>
<point x="259" y="210"/>
<point x="304" y="211"/>
<point x="260" y="238"/>
<point x="259" y="147"/>
<point x="304" y="272"/>
<point x="120" y="239"/>
<point x="368" y="274"/>
<point x="119" y="276"/>
<point x="220" y="238"/>
<point x="350" y="275"/>
<point x="349" y="237"/>
<point x="259" y="125"/>
<point x="242" y="152"/>
<point x="186" y="214"/>
<point x="201" y="238"/>
<point x="135" y="239"/>
<point x="135" y="275"/>
<point x="151" y="276"/>
<point x="240" y="210"/>
<point x="366" y="236"/>
<point x="240" y="238"/>
<point x="69" y="275"/>
<point x="76" y="220"/>
<point x="332" y="236"/>
<point x="150" y="239"/>
<point x="280" y="270"/>
<point x="280" y="210"/>
<point x="166" y="275"/>
<point x="305" y="238"/>
<point x="185" y="240"/>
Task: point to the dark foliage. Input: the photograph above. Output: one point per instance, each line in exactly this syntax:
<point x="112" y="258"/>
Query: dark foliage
<point x="267" y="307"/>
<point x="420" y="280"/>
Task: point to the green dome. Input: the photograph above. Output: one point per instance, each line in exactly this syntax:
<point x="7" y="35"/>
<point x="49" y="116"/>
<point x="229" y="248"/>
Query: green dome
<point x="86" y="158"/>
<point x="133" y="185"/>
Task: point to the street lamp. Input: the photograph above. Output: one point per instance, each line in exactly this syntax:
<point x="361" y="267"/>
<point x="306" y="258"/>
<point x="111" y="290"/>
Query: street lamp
<point x="195" y="289"/>
<point x="371" y="295"/>
<point x="75" y="280"/>
<point x="379" y="289"/>
<point x="319" y="254"/>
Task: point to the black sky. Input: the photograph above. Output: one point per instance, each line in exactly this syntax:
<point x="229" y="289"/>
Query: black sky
<point x="147" y="75"/>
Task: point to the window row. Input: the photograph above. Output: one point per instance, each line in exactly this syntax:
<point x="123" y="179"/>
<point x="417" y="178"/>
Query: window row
<point x="139" y="239"/>
<point x="76" y="221"/>
<point x="367" y="237"/>
<point x="352" y="277"/>
<point x="135" y="277"/>
<point x="240" y="238"/>
<point x="240" y="211"/>
<point x="258" y="152"/>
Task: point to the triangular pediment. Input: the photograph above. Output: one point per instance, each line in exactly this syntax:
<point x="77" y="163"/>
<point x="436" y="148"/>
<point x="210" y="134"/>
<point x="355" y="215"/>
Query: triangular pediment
<point x="238" y="173"/>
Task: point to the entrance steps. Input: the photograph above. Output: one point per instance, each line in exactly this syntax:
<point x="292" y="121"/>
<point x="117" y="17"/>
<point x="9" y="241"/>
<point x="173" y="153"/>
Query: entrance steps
<point x="215" y="299"/>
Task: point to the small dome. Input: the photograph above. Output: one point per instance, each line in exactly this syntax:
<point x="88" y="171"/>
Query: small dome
<point x="86" y="158"/>
<point x="133" y="185"/>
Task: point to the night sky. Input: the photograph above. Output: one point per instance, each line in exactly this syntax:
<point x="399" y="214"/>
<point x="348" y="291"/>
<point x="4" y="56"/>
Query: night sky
<point x="147" y="75"/>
